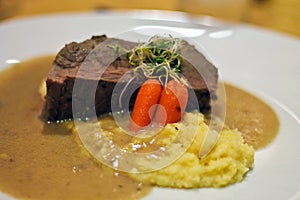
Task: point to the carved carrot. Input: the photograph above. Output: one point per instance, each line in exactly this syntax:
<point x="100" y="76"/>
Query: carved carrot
<point x="172" y="103"/>
<point x="145" y="104"/>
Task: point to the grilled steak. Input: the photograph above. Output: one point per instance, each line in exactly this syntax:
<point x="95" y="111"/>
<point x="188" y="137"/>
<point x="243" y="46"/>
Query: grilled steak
<point x="91" y="65"/>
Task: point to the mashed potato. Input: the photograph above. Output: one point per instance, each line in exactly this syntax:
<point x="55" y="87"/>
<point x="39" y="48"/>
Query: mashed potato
<point x="227" y="163"/>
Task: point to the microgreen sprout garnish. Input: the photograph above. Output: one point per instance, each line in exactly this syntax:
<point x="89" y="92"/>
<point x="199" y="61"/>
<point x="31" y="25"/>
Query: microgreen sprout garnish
<point x="117" y="49"/>
<point x="158" y="58"/>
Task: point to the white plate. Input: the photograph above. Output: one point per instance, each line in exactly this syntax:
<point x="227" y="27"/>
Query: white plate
<point x="263" y="62"/>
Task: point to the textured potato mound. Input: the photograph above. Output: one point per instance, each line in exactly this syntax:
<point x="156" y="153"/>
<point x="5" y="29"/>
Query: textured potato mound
<point x="227" y="163"/>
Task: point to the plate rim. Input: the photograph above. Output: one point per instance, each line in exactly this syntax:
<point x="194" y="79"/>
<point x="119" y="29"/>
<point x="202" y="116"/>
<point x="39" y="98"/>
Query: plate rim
<point x="95" y="14"/>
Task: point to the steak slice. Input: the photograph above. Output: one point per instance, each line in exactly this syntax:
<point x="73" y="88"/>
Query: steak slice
<point x="68" y="63"/>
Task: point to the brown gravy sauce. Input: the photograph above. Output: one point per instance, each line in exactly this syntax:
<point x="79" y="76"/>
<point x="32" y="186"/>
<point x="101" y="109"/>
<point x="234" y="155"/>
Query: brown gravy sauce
<point x="39" y="161"/>
<point x="256" y="120"/>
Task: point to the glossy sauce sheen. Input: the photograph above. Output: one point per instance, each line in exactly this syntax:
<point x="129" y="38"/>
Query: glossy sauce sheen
<point x="256" y="120"/>
<point x="39" y="161"/>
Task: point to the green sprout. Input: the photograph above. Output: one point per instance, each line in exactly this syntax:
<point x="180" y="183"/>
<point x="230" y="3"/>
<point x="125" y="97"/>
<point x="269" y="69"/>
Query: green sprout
<point x="158" y="58"/>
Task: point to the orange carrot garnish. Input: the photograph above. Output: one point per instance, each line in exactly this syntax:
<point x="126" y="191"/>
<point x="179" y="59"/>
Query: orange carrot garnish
<point x="172" y="103"/>
<point x="143" y="110"/>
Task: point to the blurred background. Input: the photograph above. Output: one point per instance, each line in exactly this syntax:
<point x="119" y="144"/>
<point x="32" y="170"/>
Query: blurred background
<point x="279" y="15"/>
